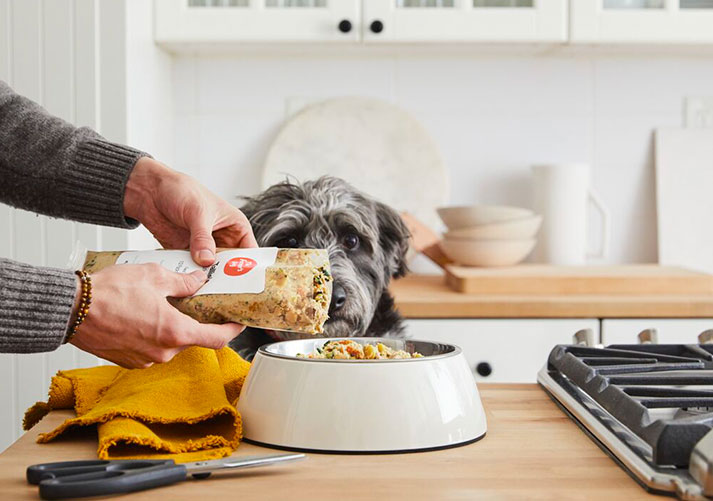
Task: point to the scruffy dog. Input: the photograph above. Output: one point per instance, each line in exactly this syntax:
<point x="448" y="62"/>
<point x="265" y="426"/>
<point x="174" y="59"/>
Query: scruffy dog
<point x="366" y="241"/>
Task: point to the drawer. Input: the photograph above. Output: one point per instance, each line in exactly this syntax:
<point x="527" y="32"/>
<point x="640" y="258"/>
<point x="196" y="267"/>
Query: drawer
<point x="502" y="350"/>
<point x="669" y="330"/>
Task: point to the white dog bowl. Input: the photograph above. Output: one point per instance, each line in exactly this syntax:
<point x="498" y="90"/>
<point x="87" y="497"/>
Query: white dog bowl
<point x="475" y="215"/>
<point x="520" y="228"/>
<point x="487" y="252"/>
<point x="373" y="406"/>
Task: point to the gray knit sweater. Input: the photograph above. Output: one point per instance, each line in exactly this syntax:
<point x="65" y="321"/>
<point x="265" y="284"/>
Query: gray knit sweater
<point x="51" y="167"/>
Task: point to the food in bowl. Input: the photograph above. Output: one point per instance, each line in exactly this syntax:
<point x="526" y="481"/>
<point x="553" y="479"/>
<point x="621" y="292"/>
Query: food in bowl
<point x="346" y="349"/>
<point x="296" y="295"/>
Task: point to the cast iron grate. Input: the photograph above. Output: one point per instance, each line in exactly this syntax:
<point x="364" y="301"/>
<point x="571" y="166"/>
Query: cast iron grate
<point x="633" y="382"/>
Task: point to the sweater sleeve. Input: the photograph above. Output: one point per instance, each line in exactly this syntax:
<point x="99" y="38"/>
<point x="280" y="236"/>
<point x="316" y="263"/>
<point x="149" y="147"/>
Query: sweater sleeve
<point x="49" y="166"/>
<point x="35" y="307"/>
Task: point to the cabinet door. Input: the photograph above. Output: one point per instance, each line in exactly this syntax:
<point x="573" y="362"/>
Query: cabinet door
<point x="512" y="351"/>
<point x="669" y="330"/>
<point x="210" y="21"/>
<point x="641" y="21"/>
<point x="465" y="20"/>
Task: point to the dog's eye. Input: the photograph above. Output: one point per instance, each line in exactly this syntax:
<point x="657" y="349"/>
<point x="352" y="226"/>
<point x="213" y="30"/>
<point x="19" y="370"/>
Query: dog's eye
<point x="288" y="243"/>
<point x="350" y="241"/>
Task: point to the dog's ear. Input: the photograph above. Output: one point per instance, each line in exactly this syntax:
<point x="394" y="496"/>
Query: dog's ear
<point x="263" y="209"/>
<point x="394" y="239"/>
<point x="249" y="206"/>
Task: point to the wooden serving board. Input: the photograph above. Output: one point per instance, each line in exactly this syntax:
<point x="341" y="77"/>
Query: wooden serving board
<point x="537" y="279"/>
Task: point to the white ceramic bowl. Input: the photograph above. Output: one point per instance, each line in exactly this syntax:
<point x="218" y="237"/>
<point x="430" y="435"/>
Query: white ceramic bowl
<point x="464" y="217"/>
<point x="361" y="405"/>
<point x="513" y="229"/>
<point x="487" y="252"/>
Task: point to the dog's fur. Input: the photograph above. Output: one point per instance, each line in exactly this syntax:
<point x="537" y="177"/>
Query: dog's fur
<point x="326" y="214"/>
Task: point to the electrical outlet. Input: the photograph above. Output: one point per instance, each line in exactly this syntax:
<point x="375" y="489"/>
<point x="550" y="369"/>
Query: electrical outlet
<point x="699" y="112"/>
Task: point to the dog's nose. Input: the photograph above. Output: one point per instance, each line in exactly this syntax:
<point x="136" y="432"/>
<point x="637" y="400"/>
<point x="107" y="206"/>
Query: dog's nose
<point x="339" y="297"/>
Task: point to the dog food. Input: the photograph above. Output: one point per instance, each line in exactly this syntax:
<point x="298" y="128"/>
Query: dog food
<point x="346" y="349"/>
<point x="295" y="297"/>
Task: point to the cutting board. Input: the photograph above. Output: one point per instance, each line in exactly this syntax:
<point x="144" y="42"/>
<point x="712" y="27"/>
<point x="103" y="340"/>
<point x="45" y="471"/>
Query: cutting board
<point x="684" y="197"/>
<point x="538" y="279"/>
<point x="377" y="147"/>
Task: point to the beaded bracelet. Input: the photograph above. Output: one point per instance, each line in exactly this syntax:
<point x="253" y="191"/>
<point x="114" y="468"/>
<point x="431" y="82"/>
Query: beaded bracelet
<point x="85" y="301"/>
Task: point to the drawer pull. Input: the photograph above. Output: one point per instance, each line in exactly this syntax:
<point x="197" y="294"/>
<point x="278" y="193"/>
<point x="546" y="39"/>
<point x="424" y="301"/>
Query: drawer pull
<point x="345" y="26"/>
<point x="484" y="369"/>
<point x="376" y="26"/>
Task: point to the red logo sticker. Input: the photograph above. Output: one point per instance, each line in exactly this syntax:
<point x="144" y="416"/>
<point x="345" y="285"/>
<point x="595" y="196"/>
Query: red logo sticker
<point x="239" y="266"/>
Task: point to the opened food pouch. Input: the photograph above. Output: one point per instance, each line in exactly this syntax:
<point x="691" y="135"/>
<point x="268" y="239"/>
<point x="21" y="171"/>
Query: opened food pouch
<point x="268" y="288"/>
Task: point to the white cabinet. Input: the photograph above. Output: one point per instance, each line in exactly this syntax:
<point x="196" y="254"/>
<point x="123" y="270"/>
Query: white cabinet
<point x="465" y="20"/>
<point x="641" y="21"/>
<point x="514" y="350"/>
<point x="216" y="21"/>
<point x="669" y="330"/>
<point x="188" y="23"/>
<point x="196" y="22"/>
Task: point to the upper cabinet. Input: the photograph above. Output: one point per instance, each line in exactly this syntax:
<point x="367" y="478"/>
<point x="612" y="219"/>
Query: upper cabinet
<point x="215" y="21"/>
<point x="193" y="23"/>
<point x="641" y="21"/>
<point x="375" y="21"/>
<point x="465" y="20"/>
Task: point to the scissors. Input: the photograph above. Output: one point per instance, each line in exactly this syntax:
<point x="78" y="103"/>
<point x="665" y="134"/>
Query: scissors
<point x="74" y="479"/>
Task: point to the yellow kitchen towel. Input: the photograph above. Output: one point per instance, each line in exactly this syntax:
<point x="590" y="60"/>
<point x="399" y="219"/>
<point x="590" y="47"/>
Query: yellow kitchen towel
<point x="183" y="409"/>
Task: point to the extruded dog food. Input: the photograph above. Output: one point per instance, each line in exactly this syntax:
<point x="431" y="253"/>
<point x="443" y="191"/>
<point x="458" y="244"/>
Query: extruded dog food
<point x="293" y="295"/>
<point x="346" y="349"/>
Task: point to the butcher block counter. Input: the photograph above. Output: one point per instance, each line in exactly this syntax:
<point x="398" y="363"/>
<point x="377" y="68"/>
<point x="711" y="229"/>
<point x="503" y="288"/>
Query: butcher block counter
<point x="630" y="292"/>
<point x="531" y="451"/>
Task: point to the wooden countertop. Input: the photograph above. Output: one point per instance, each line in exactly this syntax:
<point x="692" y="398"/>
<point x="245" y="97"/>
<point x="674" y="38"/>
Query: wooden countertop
<point x="532" y="451"/>
<point x="428" y="296"/>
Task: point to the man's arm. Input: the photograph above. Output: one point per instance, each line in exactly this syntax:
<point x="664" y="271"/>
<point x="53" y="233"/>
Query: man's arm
<point x="51" y="167"/>
<point x="35" y="306"/>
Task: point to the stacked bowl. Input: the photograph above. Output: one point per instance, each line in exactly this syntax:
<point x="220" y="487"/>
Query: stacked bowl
<point x="488" y="235"/>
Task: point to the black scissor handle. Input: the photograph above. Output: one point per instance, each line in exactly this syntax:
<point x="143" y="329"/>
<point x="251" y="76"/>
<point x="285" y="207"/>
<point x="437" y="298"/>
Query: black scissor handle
<point x="38" y="472"/>
<point x="117" y="477"/>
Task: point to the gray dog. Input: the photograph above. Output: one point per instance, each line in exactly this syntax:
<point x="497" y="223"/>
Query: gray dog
<point x="366" y="241"/>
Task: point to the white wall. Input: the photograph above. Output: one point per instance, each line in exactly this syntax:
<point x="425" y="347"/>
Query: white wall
<point x="491" y="116"/>
<point x="71" y="57"/>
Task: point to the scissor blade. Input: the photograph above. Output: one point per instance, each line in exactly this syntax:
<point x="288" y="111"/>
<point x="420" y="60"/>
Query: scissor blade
<point x="239" y="462"/>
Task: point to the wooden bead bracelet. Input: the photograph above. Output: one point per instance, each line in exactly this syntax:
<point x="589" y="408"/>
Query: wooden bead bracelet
<point x="85" y="301"/>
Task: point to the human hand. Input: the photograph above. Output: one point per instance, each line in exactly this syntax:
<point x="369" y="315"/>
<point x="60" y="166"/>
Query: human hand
<point x="131" y="323"/>
<point x="181" y="213"/>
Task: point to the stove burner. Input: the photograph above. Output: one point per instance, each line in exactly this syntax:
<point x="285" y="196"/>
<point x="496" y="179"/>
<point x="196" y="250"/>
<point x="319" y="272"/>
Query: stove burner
<point x="650" y="406"/>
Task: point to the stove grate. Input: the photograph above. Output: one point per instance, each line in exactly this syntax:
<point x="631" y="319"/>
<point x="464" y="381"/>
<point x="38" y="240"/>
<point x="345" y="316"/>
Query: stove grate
<point x="630" y="382"/>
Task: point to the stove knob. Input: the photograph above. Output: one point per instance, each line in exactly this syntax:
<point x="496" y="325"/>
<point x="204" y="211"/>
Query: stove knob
<point x="706" y="337"/>
<point x="584" y="337"/>
<point x="376" y="26"/>
<point x="648" y="336"/>
<point x="484" y="369"/>
<point x="345" y="26"/>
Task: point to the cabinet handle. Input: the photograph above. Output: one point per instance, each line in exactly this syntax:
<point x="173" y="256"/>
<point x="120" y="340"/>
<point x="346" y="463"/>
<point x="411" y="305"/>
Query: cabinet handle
<point x="484" y="369"/>
<point x="376" y="26"/>
<point x="345" y="26"/>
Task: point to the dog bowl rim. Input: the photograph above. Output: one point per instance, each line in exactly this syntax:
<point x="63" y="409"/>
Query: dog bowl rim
<point x="451" y="350"/>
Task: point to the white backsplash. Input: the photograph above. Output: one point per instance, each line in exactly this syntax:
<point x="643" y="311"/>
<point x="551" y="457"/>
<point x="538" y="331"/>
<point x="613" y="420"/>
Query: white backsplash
<point x="491" y="117"/>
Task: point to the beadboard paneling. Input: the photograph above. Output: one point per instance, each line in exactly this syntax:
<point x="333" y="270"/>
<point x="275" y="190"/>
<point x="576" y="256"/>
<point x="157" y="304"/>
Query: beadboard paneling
<point x="50" y="52"/>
